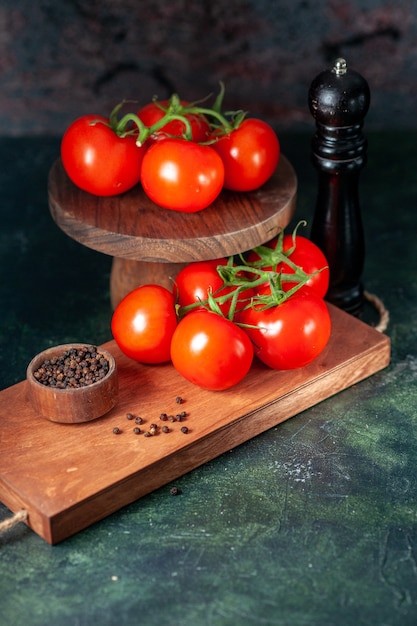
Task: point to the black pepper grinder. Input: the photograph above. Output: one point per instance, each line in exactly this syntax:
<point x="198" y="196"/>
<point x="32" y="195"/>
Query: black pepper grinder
<point x="339" y="101"/>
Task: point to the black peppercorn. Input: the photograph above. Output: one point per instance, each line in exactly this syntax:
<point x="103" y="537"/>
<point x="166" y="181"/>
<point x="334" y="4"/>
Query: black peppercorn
<point x="174" y="491"/>
<point x="76" y="367"/>
<point x="184" y="430"/>
<point x="116" y="430"/>
<point x="137" y="430"/>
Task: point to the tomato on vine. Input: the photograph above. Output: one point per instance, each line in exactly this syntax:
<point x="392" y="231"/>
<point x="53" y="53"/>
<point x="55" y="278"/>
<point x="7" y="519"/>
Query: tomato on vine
<point x="98" y="160"/>
<point x="211" y="351"/>
<point x="301" y="253"/>
<point x="250" y="154"/>
<point x="144" y="322"/>
<point x="152" y="113"/>
<point x="291" y="334"/>
<point x="201" y="279"/>
<point x="196" y="280"/>
<point x="182" y="175"/>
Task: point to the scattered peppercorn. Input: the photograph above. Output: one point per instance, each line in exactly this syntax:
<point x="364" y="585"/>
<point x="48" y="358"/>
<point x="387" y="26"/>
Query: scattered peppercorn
<point x="76" y="367"/>
<point x="153" y="428"/>
<point x="174" y="491"/>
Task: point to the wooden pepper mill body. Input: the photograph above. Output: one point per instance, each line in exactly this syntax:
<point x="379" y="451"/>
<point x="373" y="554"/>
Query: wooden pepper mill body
<point x="339" y="100"/>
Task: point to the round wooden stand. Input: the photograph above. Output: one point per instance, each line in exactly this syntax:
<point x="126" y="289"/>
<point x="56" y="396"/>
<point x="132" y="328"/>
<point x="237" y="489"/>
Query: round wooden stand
<point x="150" y="244"/>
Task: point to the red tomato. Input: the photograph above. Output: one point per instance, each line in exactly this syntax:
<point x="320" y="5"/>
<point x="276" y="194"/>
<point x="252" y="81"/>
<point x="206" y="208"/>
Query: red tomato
<point x="210" y="351"/>
<point x="182" y="175"/>
<point x="151" y="113"/>
<point x="195" y="281"/>
<point x="291" y="334"/>
<point x="250" y="155"/>
<point x="306" y="255"/>
<point x="143" y="324"/>
<point x="97" y="160"/>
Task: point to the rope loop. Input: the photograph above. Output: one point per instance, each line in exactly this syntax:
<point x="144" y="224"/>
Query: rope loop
<point x="7" y="524"/>
<point x="381" y="310"/>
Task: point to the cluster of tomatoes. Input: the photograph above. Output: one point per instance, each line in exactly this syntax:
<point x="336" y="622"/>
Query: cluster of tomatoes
<point x="181" y="153"/>
<point x="221" y="314"/>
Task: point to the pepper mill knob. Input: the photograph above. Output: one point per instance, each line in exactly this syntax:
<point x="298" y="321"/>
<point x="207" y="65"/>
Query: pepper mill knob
<point x="339" y="101"/>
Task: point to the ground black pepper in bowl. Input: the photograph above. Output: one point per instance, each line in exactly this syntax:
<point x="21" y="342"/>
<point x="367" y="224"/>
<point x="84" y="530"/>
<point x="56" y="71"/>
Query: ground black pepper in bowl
<point x="76" y="367"/>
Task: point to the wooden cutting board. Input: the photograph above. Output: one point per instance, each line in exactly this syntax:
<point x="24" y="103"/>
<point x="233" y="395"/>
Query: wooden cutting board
<point x="69" y="476"/>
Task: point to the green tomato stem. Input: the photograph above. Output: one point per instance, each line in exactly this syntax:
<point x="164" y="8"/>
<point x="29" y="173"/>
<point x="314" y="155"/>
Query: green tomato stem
<point x="123" y="127"/>
<point x="220" y="123"/>
<point x="250" y="275"/>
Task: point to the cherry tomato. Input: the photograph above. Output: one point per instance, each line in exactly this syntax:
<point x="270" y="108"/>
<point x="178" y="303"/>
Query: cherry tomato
<point x="143" y="324"/>
<point x="306" y="255"/>
<point x="291" y="334"/>
<point x="97" y="160"/>
<point x="182" y="175"/>
<point x="151" y="113"/>
<point x="250" y="155"/>
<point x="211" y="351"/>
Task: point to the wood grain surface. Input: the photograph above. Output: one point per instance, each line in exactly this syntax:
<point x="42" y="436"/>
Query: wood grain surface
<point x="131" y="226"/>
<point x="68" y="476"/>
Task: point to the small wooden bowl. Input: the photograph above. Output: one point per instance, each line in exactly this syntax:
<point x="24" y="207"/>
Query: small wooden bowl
<point x="72" y="405"/>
